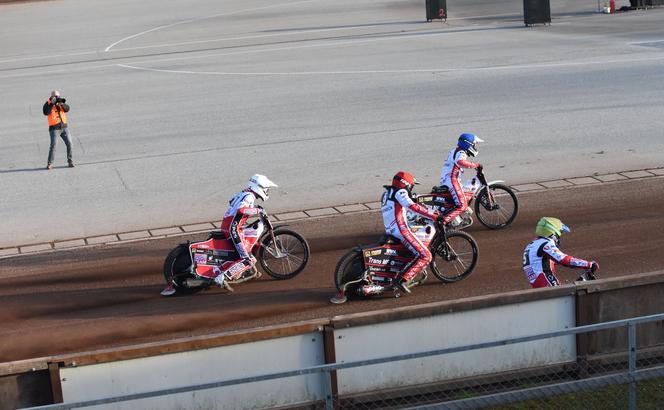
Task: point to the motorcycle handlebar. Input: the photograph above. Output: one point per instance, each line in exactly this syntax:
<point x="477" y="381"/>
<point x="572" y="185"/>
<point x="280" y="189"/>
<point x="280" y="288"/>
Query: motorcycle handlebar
<point x="266" y="219"/>
<point x="480" y="175"/>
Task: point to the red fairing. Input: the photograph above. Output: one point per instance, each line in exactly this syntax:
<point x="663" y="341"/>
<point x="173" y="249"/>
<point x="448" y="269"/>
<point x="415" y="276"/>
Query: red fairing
<point x="419" y="209"/>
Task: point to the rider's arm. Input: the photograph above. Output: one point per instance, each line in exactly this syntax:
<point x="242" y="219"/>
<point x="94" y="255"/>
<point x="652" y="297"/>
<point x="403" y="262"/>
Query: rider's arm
<point x="404" y="199"/>
<point x="461" y="159"/>
<point x="247" y="207"/>
<point x="566" y="260"/>
<point x="249" y="211"/>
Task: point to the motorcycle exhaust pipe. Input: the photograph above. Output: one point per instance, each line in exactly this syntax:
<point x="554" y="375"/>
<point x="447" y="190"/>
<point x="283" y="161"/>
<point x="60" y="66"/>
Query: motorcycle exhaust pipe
<point x="194" y="283"/>
<point x="368" y="290"/>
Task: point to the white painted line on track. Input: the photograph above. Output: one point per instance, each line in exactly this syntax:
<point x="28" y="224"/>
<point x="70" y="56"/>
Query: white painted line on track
<point x="253" y="37"/>
<point x="626" y="60"/>
<point x="230" y="13"/>
<point x="290" y="33"/>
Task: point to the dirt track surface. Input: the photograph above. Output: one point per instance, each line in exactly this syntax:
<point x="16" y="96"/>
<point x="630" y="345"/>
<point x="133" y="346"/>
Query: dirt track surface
<point x="95" y="298"/>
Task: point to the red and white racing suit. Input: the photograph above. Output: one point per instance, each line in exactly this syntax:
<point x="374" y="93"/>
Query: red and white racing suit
<point x="242" y="207"/>
<point x="394" y="205"/>
<point x="539" y="259"/>
<point x="450" y="176"/>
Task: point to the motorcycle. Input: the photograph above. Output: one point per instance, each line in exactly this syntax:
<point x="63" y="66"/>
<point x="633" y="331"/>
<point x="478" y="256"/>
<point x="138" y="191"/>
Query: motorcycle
<point x="192" y="266"/>
<point x="496" y="205"/>
<point x="371" y="270"/>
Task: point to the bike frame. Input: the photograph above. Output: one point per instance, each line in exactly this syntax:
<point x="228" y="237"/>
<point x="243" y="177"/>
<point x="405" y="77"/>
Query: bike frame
<point x="203" y="252"/>
<point x="440" y="230"/>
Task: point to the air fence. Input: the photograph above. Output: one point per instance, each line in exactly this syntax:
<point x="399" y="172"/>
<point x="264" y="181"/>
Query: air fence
<point x="630" y="379"/>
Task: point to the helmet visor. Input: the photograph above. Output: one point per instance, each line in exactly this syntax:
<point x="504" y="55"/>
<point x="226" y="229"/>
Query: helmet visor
<point x="564" y="229"/>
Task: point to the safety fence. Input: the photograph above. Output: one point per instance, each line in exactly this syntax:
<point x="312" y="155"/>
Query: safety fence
<point x="629" y="379"/>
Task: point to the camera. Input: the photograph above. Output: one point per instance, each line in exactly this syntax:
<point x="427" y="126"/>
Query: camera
<point x="57" y="100"/>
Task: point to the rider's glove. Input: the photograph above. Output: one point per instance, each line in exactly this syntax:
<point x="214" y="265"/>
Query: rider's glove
<point x="594" y="266"/>
<point x="479" y="168"/>
<point x="440" y="218"/>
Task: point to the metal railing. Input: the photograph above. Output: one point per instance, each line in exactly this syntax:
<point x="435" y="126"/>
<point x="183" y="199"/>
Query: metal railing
<point x="498" y="392"/>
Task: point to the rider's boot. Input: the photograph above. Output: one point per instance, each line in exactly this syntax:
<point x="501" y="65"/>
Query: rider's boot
<point x="168" y="291"/>
<point x="251" y="273"/>
<point x="222" y="281"/>
<point x="402" y="284"/>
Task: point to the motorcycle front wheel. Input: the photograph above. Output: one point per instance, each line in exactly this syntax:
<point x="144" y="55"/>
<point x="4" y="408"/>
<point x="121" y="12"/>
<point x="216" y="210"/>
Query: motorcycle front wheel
<point x="177" y="270"/>
<point x="455" y="259"/>
<point x="349" y="269"/>
<point x="500" y="212"/>
<point x="285" y="256"/>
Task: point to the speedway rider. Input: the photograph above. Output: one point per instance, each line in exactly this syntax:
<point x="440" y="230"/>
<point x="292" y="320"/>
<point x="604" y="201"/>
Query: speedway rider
<point x="541" y="255"/>
<point x="450" y="174"/>
<point x="242" y="207"/>
<point x="396" y="201"/>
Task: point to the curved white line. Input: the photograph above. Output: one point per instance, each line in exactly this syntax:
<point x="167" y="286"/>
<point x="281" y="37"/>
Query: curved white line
<point x="145" y="32"/>
<point x="216" y="40"/>
<point x="231" y="13"/>
<point x="290" y="33"/>
<point x="403" y="71"/>
<point x="320" y="44"/>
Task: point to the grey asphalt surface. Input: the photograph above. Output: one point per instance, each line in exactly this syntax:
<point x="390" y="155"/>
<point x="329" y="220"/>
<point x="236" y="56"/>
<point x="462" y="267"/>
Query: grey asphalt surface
<point x="175" y="104"/>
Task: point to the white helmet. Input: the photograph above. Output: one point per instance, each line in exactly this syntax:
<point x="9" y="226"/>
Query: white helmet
<point x="260" y="185"/>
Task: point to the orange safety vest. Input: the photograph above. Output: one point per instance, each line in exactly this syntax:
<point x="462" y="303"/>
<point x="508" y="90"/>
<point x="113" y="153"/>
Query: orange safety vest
<point x="54" y="117"/>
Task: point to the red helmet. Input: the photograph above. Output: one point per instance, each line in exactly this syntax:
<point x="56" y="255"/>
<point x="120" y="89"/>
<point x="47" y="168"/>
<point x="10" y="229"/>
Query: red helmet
<point x="403" y="179"/>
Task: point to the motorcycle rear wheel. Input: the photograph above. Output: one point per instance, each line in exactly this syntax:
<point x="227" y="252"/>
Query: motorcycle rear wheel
<point x="286" y="256"/>
<point x="459" y="256"/>
<point x="502" y="212"/>
<point x="349" y="268"/>
<point x="177" y="270"/>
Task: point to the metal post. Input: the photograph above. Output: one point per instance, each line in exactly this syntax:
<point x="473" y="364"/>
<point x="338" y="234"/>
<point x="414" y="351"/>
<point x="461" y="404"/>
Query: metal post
<point x="329" y="402"/>
<point x="631" y="336"/>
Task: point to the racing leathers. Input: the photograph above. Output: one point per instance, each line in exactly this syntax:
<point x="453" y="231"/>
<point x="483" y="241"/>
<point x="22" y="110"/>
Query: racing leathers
<point x="450" y="176"/>
<point x="394" y="205"/>
<point x="242" y="207"/>
<point x="539" y="259"/>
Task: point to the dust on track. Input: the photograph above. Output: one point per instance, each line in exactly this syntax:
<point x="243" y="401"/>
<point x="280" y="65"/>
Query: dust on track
<point x="109" y="296"/>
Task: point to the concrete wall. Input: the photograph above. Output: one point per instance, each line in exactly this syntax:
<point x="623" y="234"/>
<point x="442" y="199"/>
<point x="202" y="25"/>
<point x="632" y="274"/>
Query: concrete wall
<point x="205" y="366"/>
<point x="32" y="388"/>
<point x="620" y="298"/>
<point x="455" y="329"/>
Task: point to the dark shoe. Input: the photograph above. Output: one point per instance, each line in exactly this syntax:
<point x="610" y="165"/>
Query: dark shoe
<point x="71" y="164"/>
<point x="251" y="273"/>
<point x="403" y="285"/>
<point x="49" y="166"/>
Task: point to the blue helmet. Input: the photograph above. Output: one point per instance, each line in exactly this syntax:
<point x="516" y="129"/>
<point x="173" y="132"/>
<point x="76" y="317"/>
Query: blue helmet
<point x="468" y="142"/>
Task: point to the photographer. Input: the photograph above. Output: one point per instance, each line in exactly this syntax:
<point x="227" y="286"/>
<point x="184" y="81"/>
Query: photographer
<point x="55" y="109"/>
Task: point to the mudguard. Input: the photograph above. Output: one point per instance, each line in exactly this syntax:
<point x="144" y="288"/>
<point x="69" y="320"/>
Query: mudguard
<point x="496" y="181"/>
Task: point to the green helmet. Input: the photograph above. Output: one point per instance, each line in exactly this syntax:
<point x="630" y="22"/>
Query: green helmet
<point x="548" y="226"/>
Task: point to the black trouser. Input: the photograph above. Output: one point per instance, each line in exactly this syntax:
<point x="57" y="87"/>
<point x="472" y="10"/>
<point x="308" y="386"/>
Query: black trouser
<point x="64" y="134"/>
